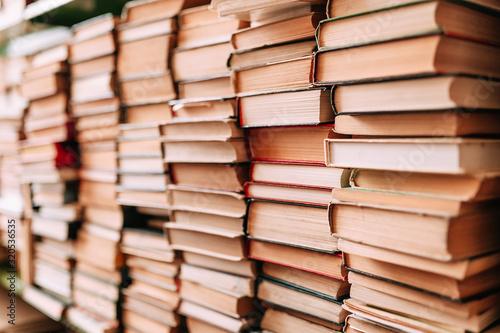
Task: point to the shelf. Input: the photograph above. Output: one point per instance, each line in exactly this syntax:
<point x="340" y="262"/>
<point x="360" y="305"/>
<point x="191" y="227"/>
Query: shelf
<point x="31" y="11"/>
<point x="12" y="26"/>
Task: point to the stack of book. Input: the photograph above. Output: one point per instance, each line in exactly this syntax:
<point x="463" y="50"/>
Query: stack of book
<point x="208" y="162"/>
<point x="302" y="282"/>
<point x="146" y="37"/>
<point x="204" y="86"/>
<point x="12" y="106"/>
<point x="418" y="224"/>
<point x="50" y="162"/>
<point x="151" y="298"/>
<point x="15" y="233"/>
<point x="96" y="108"/>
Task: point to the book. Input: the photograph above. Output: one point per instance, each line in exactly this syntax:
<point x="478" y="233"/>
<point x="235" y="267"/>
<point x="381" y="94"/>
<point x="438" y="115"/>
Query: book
<point x="96" y="87"/>
<point x="457" y="269"/>
<point x="94" y="27"/>
<point x="56" y="133"/>
<point x="149" y="308"/>
<point x="211" y="33"/>
<point x="163" y="256"/>
<point x="243" y="267"/>
<point x="405" y="201"/>
<point x="413" y="19"/>
<point x="52" y="196"/>
<point x="218" y="86"/>
<point x="198" y="326"/>
<point x="208" y="201"/>
<point x="99" y="286"/>
<point x="44" y="302"/>
<point x="148" y="113"/>
<point x="53" y="51"/>
<point x="153" y="53"/>
<point x="273" y="53"/>
<point x="151" y="181"/>
<point x="306" y="281"/>
<point x="441" y="92"/>
<point x="141" y="11"/>
<point x="196" y="16"/>
<point x="439" y="285"/>
<point x="150" y="89"/>
<point x="345" y="7"/>
<point x="279" y="294"/>
<point x="419" y="124"/>
<point x="139" y="131"/>
<point x="438" y="155"/>
<point x="143" y="321"/>
<point x="222" y="245"/>
<point x="52" y="68"/>
<point x="55" y="280"/>
<point x="473" y="315"/>
<point x="284" y="12"/>
<point x="140" y="164"/>
<point x="355" y="323"/>
<point x="201" y="130"/>
<point x="230" y="304"/>
<point x="274" y="144"/>
<point x="143" y="264"/>
<point x="129" y="32"/>
<point x="99" y="120"/>
<point x="167" y="297"/>
<point x="278" y="76"/>
<point x="426" y="55"/>
<point x="243" y="8"/>
<point x="214" y="151"/>
<point x="277" y="319"/>
<point x="395" y="322"/>
<point x="291" y="224"/>
<point x="206" y="315"/>
<point x="154" y="278"/>
<point x="289" y="193"/>
<point x="144" y="239"/>
<point x="238" y="285"/>
<point x="277" y="33"/>
<point x="136" y="197"/>
<point x="95" y="107"/>
<point x="228" y="177"/>
<point x="299" y="174"/>
<point x="97" y="193"/>
<point x="475" y="323"/>
<point x="44" y="87"/>
<point x="94" y="47"/>
<point x="48" y="106"/>
<point x="212" y="223"/>
<point x="301" y="107"/>
<point x="59" y="230"/>
<point x="139" y="147"/>
<point x="112" y="277"/>
<point x="346" y="223"/>
<point x="107" y="309"/>
<point x="186" y="67"/>
<point x="89" y="321"/>
<point x="204" y="108"/>
<point x="100" y="160"/>
<point x="466" y="187"/>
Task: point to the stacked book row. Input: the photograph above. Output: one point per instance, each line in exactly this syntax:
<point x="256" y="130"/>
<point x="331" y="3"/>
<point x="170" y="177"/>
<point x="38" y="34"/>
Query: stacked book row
<point x="284" y="166"/>
<point x="420" y="245"/>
